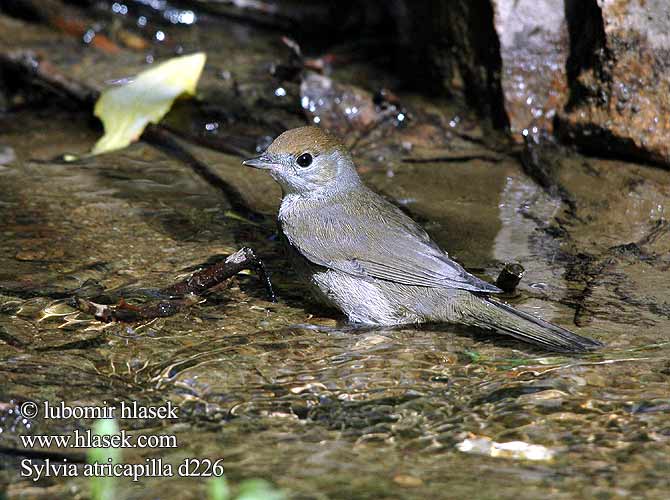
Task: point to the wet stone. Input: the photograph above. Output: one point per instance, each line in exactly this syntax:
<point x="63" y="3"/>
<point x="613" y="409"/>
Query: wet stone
<point x="620" y="91"/>
<point x="534" y="49"/>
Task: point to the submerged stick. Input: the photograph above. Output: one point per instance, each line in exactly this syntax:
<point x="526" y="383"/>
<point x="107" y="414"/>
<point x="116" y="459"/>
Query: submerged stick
<point x="180" y="295"/>
<point x="164" y="140"/>
<point x="28" y="65"/>
<point x="456" y="157"/>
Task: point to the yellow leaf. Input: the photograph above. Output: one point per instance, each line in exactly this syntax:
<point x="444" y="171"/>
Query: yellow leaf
<point x="125" y="111"/>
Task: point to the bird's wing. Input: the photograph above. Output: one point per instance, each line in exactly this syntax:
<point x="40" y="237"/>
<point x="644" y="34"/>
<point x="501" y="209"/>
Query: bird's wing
<point x="370" y="238"/>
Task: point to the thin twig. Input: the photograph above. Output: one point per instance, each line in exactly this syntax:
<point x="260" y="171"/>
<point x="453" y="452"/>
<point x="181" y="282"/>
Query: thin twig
<point x="456" y="158"/>
<point x="180" y="295"/>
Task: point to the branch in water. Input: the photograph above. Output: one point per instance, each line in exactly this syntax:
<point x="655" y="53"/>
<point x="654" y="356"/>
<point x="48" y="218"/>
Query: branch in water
<point x="182" y="294"/>
<point x="457" y="157"/>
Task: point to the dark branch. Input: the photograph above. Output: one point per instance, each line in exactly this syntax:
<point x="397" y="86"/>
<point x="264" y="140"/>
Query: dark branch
<point x="180" y="295"/>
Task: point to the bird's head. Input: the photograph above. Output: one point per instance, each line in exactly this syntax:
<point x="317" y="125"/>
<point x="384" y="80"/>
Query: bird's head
<point x="306" y="160"/>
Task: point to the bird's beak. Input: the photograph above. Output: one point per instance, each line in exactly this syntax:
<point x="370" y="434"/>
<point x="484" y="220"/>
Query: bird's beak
<point x="262" y="162"/>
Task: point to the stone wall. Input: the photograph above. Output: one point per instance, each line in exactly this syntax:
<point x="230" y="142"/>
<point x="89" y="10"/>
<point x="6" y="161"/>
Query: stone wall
<point x="596" y="70"/>
<point x="620" y="102"/>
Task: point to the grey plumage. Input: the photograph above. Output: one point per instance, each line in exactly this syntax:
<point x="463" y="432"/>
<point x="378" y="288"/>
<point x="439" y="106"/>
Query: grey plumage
<point x="374" y="240"/>
<point x="364" y="256"/>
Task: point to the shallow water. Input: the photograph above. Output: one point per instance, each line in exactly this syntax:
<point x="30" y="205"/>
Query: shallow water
<point x="287" y="391"/>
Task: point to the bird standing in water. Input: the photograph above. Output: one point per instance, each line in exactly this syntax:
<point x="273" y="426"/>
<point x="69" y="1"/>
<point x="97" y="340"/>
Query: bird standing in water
<point x="367" y="258"/>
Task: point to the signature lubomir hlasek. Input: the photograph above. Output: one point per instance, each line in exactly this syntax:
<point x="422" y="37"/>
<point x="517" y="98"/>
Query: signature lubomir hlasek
<point x="364" y="256"/>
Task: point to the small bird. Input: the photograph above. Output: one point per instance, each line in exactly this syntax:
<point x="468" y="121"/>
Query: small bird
<point x="364" y="256"/>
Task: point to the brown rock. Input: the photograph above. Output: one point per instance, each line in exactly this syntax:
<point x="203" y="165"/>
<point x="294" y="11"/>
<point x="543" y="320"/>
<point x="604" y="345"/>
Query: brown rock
<point x="620" y="79"/>
<point x="534" y="50"/>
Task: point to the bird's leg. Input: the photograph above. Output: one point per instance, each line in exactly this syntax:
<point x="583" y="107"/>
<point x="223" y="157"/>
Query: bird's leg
<point x="182" y="294"/>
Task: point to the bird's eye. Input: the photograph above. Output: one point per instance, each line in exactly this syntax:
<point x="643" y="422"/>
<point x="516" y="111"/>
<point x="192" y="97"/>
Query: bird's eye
<point x="304" y="160"/>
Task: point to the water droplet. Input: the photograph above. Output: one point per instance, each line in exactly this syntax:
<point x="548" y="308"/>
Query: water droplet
<point x="187" y="17"/>
<point x="177" y="16"/>
<point x="119" y="8"/>
<point x="263" y="143"/>
<point x="280" y="92"/>
<point x="317" y="119"/>
<point x="160" y="36"/>
<point x="89" y="36"/>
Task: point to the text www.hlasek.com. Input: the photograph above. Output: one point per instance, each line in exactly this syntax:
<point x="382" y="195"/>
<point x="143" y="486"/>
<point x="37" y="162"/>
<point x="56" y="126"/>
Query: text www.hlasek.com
<point x="106" y="465"/>
<point x="87" y="439"/>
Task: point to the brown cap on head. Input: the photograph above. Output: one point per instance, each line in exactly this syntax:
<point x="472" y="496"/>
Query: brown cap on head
<point x="302" y="139"/>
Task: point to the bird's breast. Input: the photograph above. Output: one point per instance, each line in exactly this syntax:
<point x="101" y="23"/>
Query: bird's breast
<point x="291" y="206"/>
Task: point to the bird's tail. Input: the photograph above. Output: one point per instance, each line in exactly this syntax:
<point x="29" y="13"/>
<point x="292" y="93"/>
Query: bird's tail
<point x="503" y="318"/>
